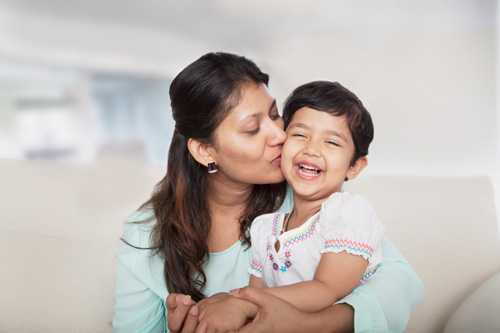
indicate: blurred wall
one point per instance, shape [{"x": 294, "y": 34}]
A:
[{"x": 426, "y": 70}]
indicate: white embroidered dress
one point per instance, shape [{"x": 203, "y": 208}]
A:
[{"x": 345, "y": 222}]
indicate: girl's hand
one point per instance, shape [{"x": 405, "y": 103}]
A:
[
  {"x": 179, "y": 317},
  {"x": 223, "y": 313}
]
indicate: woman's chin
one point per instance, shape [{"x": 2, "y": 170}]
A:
[{"x": 274, "y": 177}]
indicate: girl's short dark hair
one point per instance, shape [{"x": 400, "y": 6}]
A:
[{"x": 333, "y": 98}]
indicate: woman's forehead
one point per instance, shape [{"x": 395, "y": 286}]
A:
[{"x": 254, "y": 100}]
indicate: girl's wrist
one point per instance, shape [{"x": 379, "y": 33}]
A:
[{"x": 249, "y": 308}]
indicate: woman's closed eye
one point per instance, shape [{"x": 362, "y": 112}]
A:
[{"x": 253, "y": 131}]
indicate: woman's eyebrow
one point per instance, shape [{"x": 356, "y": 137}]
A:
[{"x": 259, "y": 114}]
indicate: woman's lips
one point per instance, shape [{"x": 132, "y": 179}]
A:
[{"x": 277, "y": 161}]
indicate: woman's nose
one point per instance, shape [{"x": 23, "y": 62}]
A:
[{"x": 277, "y": 135}]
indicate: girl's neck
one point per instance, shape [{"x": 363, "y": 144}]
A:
[{"x": 303, "y": 209}]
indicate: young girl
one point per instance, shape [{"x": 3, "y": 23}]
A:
[{"x": 330, "y": 242}]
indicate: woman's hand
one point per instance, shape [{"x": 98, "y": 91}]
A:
[
  {"x": 274, "y": 314},
  {"x": 182, "y": 317},
  {"x": 223, "y": 313}
]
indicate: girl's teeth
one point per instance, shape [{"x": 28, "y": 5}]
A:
[{"x": 308, "y": 169}]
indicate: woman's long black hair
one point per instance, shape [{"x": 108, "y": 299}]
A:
[{"x": 201, "y": 96}]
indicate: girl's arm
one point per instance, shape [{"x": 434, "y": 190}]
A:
[
  {"x": 336, "y": 276},
  {"x": 382, "y": 304},
  {"x": 256, "y": 282}
]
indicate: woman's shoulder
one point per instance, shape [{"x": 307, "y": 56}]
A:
[{"x": 138, "y": 228}]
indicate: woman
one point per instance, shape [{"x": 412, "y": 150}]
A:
[{"x": 191, "y": 237}]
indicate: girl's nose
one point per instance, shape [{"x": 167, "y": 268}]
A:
[{"x": 311, "y": 149}]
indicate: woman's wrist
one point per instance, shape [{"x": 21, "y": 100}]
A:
[{"x": 338, "y": 318}]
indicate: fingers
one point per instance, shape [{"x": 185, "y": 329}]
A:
[
  {"x": 254, "y": 295},
  {"x": 171, "y": 302},
  {"x": 191, "y": 322},
  {"x": 177, "y": 311},
  {"x": 252, "y": 327},
  {"x": 202, "y": 328}
]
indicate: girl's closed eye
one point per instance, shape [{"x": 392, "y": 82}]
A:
[
  {"x": 333, "y": 142},
  {"x": 297, "y": 134}
]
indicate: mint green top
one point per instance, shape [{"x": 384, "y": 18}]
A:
[{"x": 383, "y": 304}]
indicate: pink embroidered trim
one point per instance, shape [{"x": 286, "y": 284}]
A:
[
  {"x": 303, "y": 236},
  {"x": 350, "y": 246},
  {"x": 275, "y": 224},
  {"x": 256, "y": 265}
]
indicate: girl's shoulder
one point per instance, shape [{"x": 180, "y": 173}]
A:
[
  {"x": 346, "y": 210},
  {"x": 265, "y": 223},
  {"x": 346, "y": 203}
]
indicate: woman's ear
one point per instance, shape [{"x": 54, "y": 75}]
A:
[
  {"x": 355, "y": 170},
  {"x": 200, "y": 151}
]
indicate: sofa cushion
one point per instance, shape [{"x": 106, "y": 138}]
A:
[{"x": 480, "y": 312}]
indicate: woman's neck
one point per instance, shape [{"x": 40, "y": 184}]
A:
[{"x": 227, "y": 201}]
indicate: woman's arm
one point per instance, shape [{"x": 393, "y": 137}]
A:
[
  {"x": 137, "y": 309},
  {"x": 384, "y": 303}
]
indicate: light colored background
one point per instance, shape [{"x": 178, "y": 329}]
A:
[
  {"x": 426, "y": 70},
  {"x": 84, "y": 84}
]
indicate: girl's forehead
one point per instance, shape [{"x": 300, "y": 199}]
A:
[
  {"x": 318, "y": 118},
  {"x": 321, "y": 122}
]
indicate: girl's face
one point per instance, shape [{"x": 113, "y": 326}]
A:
[
  {"x": 248, "y": 142},
  {"x": 317, "y": 154}
]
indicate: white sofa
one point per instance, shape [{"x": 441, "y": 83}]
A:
[{"x": 60, "y": 224}]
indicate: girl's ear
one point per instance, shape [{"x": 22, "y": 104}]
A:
[
  {"x": 355, "y": 170},
  {"x": 200, "y": 151}
]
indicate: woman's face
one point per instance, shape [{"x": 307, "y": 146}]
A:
[{"x": 247, "y": 143}]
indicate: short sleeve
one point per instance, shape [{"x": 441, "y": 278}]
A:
[
  {"x": 258, "y": 236},
  {"x": 349, "y": 223}
]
